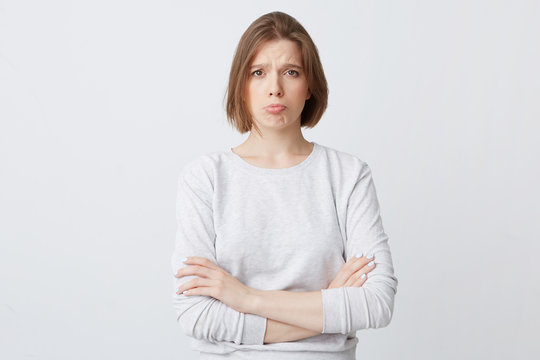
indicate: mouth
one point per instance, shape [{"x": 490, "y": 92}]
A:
[{"x": 275, "y": 109}]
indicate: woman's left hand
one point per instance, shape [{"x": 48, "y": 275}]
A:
[{"x": 215, "y": 282}]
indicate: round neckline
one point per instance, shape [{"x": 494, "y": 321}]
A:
[{"x": 260, "y": 170}]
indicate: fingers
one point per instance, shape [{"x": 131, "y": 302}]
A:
[
  {"x": 360, "y": 267},
  {"x": 198, "y": 260},
  {"x": 354, "y": 258},
  {"x": 349, "y": 269},
  {"x": 195, "y": 283},
  {"x": 359, "y": 263},
  {"x": 200, "y": 271},
  {"x": 360, "y": 277},
  {"x": 203, "y": 265},
  {"x": 359, "y": 281}
]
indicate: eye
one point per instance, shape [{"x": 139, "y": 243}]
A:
[
  {"x": 296, "y": 72},
  {"x": 256, "y": 71}
]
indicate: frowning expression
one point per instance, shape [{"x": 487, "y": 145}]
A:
[{"x": 277, "y": 78}]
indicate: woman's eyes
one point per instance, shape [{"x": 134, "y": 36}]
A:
[{"x": 296, "y": 73}]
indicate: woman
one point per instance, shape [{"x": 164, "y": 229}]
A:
[{"x": 276, "y": 236}]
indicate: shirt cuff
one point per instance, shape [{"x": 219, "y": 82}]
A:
[{"x": 254, "y": 329}]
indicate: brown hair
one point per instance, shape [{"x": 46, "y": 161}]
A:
[{"x": 273, "y": 26}]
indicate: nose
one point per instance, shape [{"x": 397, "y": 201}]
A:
[{"x": 274, "y": 86}]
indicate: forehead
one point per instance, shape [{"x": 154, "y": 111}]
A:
[{"x": 281, "y": 50}]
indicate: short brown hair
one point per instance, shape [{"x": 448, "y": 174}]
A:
[{"x": 273, "y": 26}]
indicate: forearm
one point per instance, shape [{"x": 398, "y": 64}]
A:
[
  {"x": 277, "y": 331},
  {"x": 300, "y": 309}
]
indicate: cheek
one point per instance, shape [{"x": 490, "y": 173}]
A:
[
  {"x": 248, "y": 94},
  {"x": 299, "y": 91},
  {"x": 253, "y": 92}
]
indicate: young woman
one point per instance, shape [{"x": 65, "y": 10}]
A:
[{"x": 276, "y": 236}]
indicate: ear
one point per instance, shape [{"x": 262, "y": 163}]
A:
[{"x": 309, "y": 95}]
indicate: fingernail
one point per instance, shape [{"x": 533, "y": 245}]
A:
[
  {"x": 359, "y": 255},
  {"x": 371, "y": 263},
  {"x": 363, "y": 276},
  {"x": 184, "y": 259},
  {"x": 370, "y": 256}
]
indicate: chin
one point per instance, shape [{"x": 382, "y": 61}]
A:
[{"x": 276, "y": 121}]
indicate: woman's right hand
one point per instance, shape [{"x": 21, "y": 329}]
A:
[{"x": 351, "y": 272}]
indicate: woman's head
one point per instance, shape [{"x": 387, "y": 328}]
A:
[{"x": 275, "y": 40}]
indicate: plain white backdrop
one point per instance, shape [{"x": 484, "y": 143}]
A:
[{"x": 103, "y": 102}]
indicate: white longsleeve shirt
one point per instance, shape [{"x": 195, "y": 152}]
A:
[{"x": 286, "y": 229}]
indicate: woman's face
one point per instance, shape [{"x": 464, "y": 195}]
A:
[{"x": 277, "y": 77}]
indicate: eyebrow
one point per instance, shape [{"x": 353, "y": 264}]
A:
[{"x": 284, "y": 65}]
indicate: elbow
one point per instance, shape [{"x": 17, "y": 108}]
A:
[
  {"x": 190, "y": 317},
  {"x": 349, "y": 309},
  {"x": 193, "y": 313},
  {"x": 380, "y": 306},
  {"x": 185, "y": 320},
  {"x": 384, "y": 317},
  {"x": 206, "y": 318},
  {"x": 188, "y": 326}
]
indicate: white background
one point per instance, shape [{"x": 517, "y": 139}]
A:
[{"x": 103, "y": 102}]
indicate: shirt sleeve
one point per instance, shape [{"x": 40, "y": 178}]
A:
[
  {"x": 204, "y": 317},
  {"x": 348, "y": 309}
]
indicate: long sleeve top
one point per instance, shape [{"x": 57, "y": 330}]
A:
[{"x": 281, "y": 229}]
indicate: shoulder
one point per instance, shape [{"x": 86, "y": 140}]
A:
[
  {"x": 345, "y": 163},
  {"x": 352, "y": 175},
  {"x": 201, "y": 170}
]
